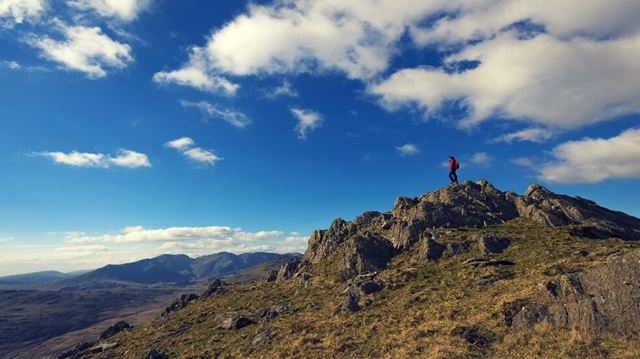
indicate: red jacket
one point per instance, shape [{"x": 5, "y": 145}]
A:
[{"x": 452, "y": 164}]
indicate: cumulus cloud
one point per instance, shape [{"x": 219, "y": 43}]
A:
[
  {"x": 354, "y": 37},
  {"x": 593, "y": 160},
  {"x": 537, "y": 135},
  {"x": 140, "y": 234},
  {"x": 17, "y": 11},
  {"x": 481, "y": 159},
  {"x": 556, "y": 65},
  {"x": 125, "y": 10},
  {"x": 307, "y": 121},
  {"x": 84, "y": 49},
  {"x": 124, "y": 158},
  {"x": 181, "y": 143},
  {"x": 408, "y": 149},
  {"x": 234, "y": 118},
  {"x": 555, "y": 83},
  {"x": 196, "y": 74},
  {"x": 185, "y": 145}
]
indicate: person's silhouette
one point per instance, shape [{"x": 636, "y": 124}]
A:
[{"x": 453, "y": 167}]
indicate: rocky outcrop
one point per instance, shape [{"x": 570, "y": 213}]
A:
[
  {"x": 288, "y": 270},
  {"x": 605, "y": 299},
  {"x": 234, "y": 321},
  {"x": 214, "y": 289},
  {"x": 489, "y": 244},
  {"x": 179, "y": 303},
  {"x": 369, "y": 241},
  {"x": 548, "y": 208},
  {"x": 115, "y": 329},
  {"x": 430, "y": 250},
  {"x": 364, "y": 253}
]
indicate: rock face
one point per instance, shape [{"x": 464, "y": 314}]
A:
[
  {"x": 365, "y": 253},
  {"x": 548, "y": 208},
  {"x": 369, "y": 241},
  {"x": 287, "y": 270},
  {"x": 605, "y": 299},
  {"x": 430, "y": 250}
]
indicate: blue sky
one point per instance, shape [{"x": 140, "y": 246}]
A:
[{"x": 133, "y": 128}]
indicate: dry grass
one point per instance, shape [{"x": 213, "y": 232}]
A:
[{"x": 414, "y": 319}]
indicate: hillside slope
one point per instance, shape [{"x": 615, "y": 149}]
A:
[{"x": 463, "y": 272}]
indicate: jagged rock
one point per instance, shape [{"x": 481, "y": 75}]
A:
[
  {"x": 489, "y": 244},
  {"x": 604, "y": 299},
  {"x": 364, "y": 253},
  {"x": 370, "y": 286},
  {"x": 263, "y": 337},
  {"x": 430, "y": 250},
  {"x": 115, "y": 329},
  {"x": 73, "y": 352},
  {"x": 234, "y": 321},
  {"x": 214, "y": 289},
  {"x": 351, "y": 302},
  {"x": 467, "y": 205},
  {"x": 548, "y": 208},
  {"x": 156, "y": 354},
  {"x": 271, "y": 276},
  {"x": 287, "y": 270},
  {"x": 179, "y": 303},
  {"x": 473, "y": 335},
  {"x": 304, "y": 277}
]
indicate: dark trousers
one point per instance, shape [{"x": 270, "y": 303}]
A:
[{"x": 453, "y": 176}]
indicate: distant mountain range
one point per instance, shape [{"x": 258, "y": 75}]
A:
[
  {"x": 37, "y": 277},
  {"x": 179, "y": 268}
]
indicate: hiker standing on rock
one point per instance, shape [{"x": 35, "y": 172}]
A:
[{"x": 453, "y": 167}]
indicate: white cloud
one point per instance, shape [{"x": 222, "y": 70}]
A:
[
  {"x": 185, "y": 146},
  {"x": 84, "y": 49},
  {"x": 534, "y": 134},
  {"x": 593, "y": 160},
  {"x": 307, "y": 121},
  {"x": 197, "y": 75},
  {"x": 17, "y": 11},
  {"x": 234, "y": 118},
  {"x": 574, "y": 73},
  {"x": 408, "y": 149},
  {"x": 202, "y": 156},
  {"x": 131, "y": 159},
  {"x": 523, "y": 161},
  {"x": 181, "y": 143},
  {"x": 283, "y": 90},
  {"x": 481, "y": 159},
  {"x": 356, "y": 38},
  {"x": 124, "y": 158},
  {"x": 12, "y": 65},
  {"x": 6, "y": 239},
  {"x": 88, "y": 251},
  {"x": 554, "y": 83},
  {"x": 481, "y": 19},
  {"x": 125, "y": 10}
]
